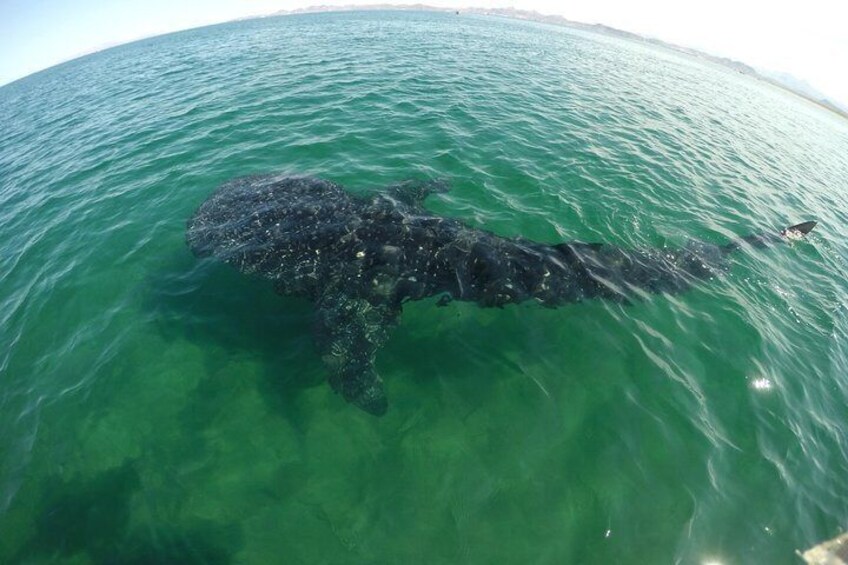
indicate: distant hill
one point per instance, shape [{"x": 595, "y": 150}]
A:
[
  {"x": 779, "y": 79},
  {"x": 802, "y": 88}
]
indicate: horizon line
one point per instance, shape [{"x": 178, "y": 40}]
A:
[{"x": 509, "y": 12}]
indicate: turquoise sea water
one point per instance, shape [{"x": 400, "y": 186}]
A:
[{"x": 159, "y": 409}]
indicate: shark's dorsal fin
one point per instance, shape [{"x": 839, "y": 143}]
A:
[
  {"x": 348, "y": 331},
  {"x": 413, "y": 191}
]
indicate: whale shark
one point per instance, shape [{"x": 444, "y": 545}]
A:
[{"x": 359, "y": 258}]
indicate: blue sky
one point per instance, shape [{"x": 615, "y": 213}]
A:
[
  {"x": 806, "y": 39},
  {"x": 36, "y": 34}
]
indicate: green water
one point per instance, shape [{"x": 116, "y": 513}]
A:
[{"x": 159, "y": 409}]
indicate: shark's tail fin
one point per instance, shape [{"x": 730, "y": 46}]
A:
[
  {"x": 799, "y": 229},
  {"x": 766, "y": 239}
]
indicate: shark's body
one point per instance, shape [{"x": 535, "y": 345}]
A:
[{"x": 359, "y": 259}]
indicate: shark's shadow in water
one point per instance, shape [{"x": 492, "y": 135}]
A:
[
  {"x": 358, "y": 259},
  {"x": 89, "y": 520},
  {"x": 204, "y": 303}
]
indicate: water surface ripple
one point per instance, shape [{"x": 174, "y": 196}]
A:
[{"x": 155, "y": 408}]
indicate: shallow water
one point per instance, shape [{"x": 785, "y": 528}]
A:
[{"x": 157, "y": 408}]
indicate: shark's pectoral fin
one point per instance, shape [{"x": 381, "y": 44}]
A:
[
  {"x": 357, "y": 382},
  {"x": 348, "y": 332},
  {"x": 413, "y": 192}
]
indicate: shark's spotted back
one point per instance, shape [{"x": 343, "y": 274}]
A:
[
  {"x": 272, "y": 226},
  {"x": 359, "y": 258}
]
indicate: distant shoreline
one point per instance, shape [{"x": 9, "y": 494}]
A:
[
  {"x": 528, "y": 15},
  {"x": 816, "y": 98}
]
